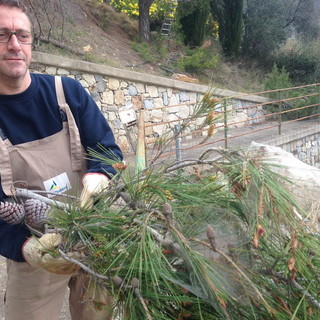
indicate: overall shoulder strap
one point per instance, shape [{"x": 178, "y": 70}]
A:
[
  {"x": 6, "y": 169},
  {"x": 59, "y": 91},
  {"x": 75, "y": 141}
]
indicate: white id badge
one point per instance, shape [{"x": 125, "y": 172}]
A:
[{"x": 58, "y": 184}]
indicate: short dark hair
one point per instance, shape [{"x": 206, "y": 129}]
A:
[{"x": 14, "y": 4}]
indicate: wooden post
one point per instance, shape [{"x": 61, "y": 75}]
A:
[{"x": 141, "y": 162}]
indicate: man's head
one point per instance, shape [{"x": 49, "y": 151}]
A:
[{"x": 15, "y": 54}]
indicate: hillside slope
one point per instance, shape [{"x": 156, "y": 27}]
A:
[
  {"x": 80, "y": 30},
  {"x": 73, "y": 28}
]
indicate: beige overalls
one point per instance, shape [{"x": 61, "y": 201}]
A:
[{"x": 55, "y": 164}]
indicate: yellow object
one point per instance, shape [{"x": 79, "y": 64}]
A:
[
  {"x": 42, "y": 253},
  {"x": 93, "y": 184},
  {"x": 141, "y": 148}
]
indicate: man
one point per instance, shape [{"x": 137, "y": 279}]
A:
[{"x": 46, "y": 126}]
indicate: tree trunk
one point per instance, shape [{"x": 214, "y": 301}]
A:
[{"x": 144, "y": 19}]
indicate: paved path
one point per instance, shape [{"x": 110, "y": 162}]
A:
[
  {"x": 267, "y": 133},
  {"x": 268, "y": 136}
]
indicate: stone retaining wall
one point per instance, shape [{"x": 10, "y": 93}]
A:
[
  {"x": 121, "y": 92},
  {"x": 303, "y": 144},
  {"x": 306, "y": 149}
]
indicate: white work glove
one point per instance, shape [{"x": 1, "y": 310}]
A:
[
  {"x": 42, "y": 253},
  {"x": 93, "y": 184}
]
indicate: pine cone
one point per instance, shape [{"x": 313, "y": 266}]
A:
[
  {"x": 212, "y": 237},
  {"x": 12, "y": 213},
  {"x": 167, "y": 210},
  {"x": 36, "y": 213}
]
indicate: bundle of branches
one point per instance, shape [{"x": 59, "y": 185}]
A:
[
  {"x": 224, "y": 241},
  {"x": 198, "y": 239}
]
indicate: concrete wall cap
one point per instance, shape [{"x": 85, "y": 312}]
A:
[{"x": 98, "y": 69}]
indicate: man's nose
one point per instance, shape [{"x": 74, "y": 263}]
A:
[{"x": 13, "y": 43}]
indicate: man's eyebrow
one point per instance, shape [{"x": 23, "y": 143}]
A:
[{"x": 7, "y": 29}]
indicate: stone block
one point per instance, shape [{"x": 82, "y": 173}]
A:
[
  {"x": 119, "y": 98},
  {"x": 153, "y": 91},
  {"x": 51, "y": 70},
  {"x": 90, "y": 79},
  {"x": 107, "y": 97},
  {"x": 62, "y": 72},
  {"x": 113, "y": 84}
]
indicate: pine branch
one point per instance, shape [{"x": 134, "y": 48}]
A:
[{"x": 302, "y": 290}]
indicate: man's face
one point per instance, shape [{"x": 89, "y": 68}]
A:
[{"x": 15, "y": 57}]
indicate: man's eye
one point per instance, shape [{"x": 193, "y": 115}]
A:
[
  {"x": 4, "y": 35},
  {"x": 24, "y": 35}
]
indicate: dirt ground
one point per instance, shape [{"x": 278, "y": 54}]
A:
[{"x": 75, "y": 29}]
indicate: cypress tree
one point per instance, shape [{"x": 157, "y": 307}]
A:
[
  {"x": 193, "y": 16},
  {"x": 228, "y": 14}
]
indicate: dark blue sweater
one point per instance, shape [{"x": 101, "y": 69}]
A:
[{"x": 34, "y": 114}]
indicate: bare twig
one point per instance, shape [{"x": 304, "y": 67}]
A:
[
  {"x": 189, "y": 163},
  {"x": 135, "y": 285},
  {"x": 210, "y": 150},
  {"x": 135, "y": 282},
  {"x": 63, "y": 19},
  {"x": 25, "y": 193},
  {"x": 83, "y": 266},
  {"x": 36, "y": 16}
]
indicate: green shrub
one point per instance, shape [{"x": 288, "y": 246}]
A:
[
  {"x": 277, "y": 79},
  {"x": 302, "y": 67},
  {"x": 197, "y": 60},
  {"x": 300, "y": 59},
  {"x": 154, "y": 51},
  {"x": 280, "y": 79},
  {"x": 143, "y": 49}
]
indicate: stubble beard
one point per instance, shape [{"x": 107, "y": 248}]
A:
[{"x": 13, "y": 71}]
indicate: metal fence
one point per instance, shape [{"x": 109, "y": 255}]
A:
[{"x": 223, "y": 123}]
